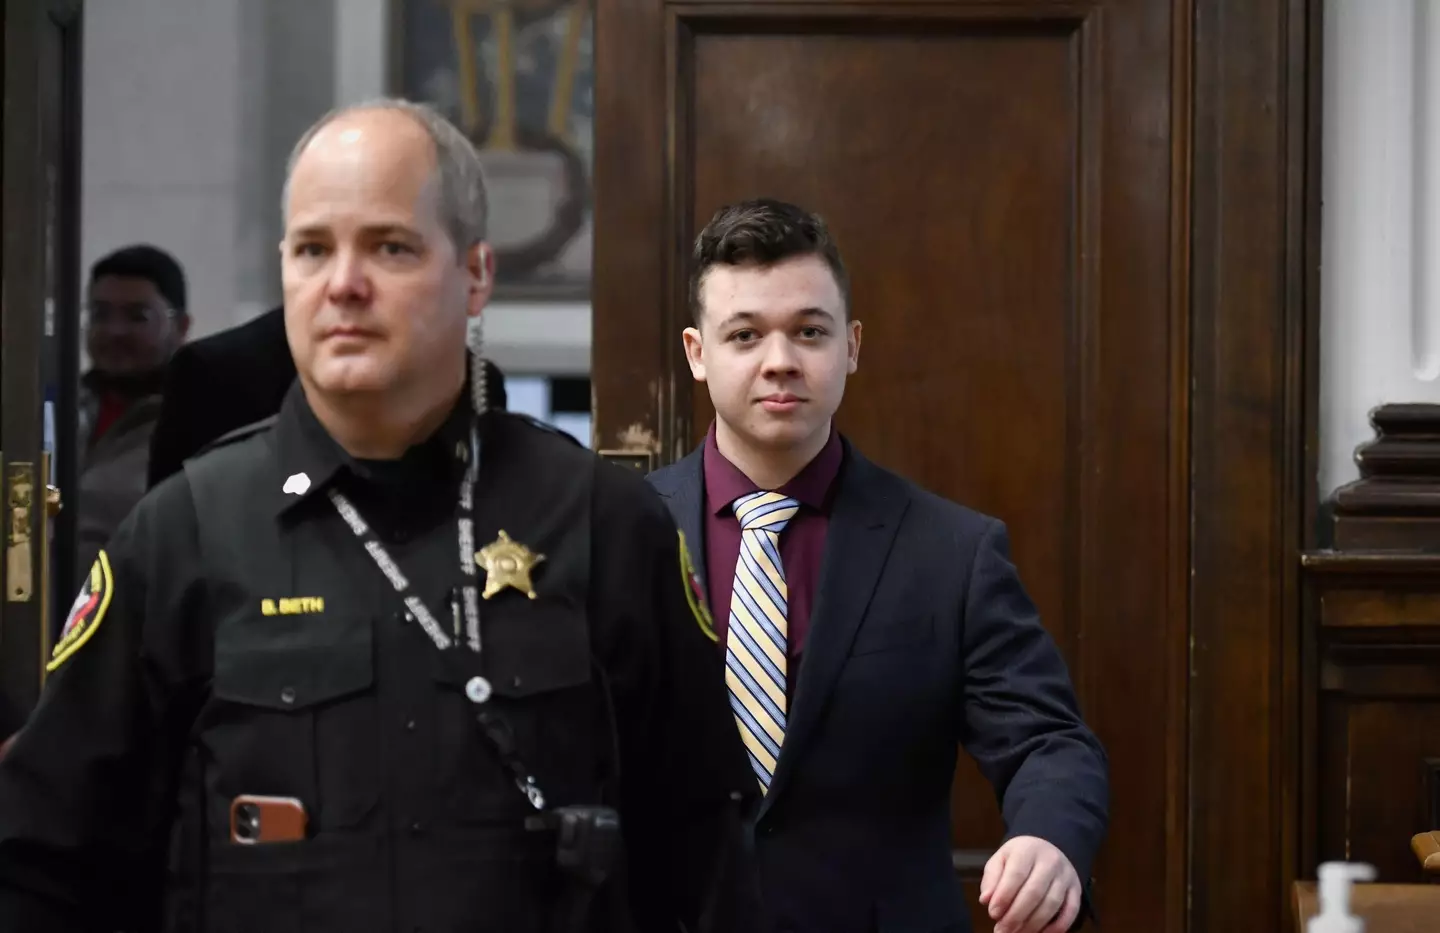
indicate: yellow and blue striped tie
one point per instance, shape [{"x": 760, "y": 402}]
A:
[{"x": 755, "y": 648}]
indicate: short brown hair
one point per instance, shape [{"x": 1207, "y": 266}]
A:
[{"x": 763, "y": 232}]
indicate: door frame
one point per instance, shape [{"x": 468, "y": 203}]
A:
[
  {"x": 40, "y": 316},
  {"x": 1254, "y": 291}
]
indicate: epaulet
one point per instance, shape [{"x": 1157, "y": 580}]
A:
[
  {"x": 537, "y": 423},
  {"x": 239, "y": 434}
]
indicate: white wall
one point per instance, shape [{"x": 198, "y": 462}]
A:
[
  {"x": 162, "y": 147},
  {"x": 190, "y": 110},
  {"x": 1380, "y": 275}
]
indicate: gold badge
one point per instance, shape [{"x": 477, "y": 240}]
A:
[{"x": 507, "y": 563}]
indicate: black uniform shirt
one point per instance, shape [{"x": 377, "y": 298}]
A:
[{"x": 265, "y": 653}]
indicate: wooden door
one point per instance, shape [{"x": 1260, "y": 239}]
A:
[{"x": 1010, "y": 183}]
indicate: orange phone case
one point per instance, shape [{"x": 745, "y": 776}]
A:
[{"x": 281, "y": 819}]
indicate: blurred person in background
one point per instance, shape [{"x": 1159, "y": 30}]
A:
[{"x": 136, "y": 319}]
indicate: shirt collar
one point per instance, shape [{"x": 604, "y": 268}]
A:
[
  {"x": 309, "y": 459},
  {"x": 812, "y": 486}
]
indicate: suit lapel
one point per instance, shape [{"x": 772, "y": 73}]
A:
[
  {"x": 863, "y": 520},
  {"x": 683, "y": 488}
]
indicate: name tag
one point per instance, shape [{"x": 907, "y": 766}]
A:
[{"x": 292, "y": 606}]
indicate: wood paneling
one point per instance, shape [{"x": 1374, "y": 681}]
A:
[
  {"x": 1078, "y": 235},
  {"x": 1372, "y": 606},
  {"x": 1372, "y": 744},
  {"x": 1376, "y": 701},
  {"x": 1253, "y": 234}
]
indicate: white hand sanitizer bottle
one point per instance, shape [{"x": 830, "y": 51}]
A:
[{"x": 1335, "y": 881}]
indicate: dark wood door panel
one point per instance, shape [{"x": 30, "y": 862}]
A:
[
  {"x": 1382, "y": 783},
  {"x": 962, "y": 271}
]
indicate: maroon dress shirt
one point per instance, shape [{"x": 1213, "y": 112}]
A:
[{"x": 802, "y": 543}]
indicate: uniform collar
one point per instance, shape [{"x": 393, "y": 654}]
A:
[{"x": 309, "y": 460}]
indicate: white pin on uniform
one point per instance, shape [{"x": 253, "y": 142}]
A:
[{"x": 478, "y": 689}]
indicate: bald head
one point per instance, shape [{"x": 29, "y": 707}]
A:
[
  {"x": 447, "y": 155},
  {"x": 380, "y": 156}
]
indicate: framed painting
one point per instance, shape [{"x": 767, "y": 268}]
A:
[{"x": 518, "y": 77}]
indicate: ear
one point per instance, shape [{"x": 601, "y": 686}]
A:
[
  {"x": 480, "y": 263},
  {"x": 852, "y": 347},
  {"x": 182, "y": 326},
  {"x": 694, "y": 353}
]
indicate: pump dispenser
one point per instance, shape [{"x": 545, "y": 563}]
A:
[{"x": 1336, "y": 879}]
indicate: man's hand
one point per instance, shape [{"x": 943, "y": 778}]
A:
[{"x": 1030, "y": 887}]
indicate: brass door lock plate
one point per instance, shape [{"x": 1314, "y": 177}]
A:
[{"x": 19, "y": 550}]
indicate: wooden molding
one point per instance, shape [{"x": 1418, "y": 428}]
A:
[{"x": 1395, "y": 504}]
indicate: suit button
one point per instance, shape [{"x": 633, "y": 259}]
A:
[{"x": 410, "y": 726}]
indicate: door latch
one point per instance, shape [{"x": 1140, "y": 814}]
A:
[{"x": 19, "y": 553}]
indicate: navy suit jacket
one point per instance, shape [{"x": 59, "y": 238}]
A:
[{"x": 922, "y": 640}]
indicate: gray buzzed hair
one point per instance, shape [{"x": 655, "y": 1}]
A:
[{"x": 464, "y": 206}]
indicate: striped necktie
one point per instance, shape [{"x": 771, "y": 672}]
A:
[{"x": 755, "y": 648}]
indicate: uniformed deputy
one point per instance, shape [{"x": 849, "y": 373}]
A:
[{"x": 388, "y": 664}]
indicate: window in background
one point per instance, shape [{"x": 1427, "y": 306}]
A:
[
  {"x": 570, "y": 406},
  {"x": 558, "y": 400}
]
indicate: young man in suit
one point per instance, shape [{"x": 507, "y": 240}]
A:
[{"x": 868, "y": 627}]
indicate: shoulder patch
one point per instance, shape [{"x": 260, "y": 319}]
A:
[
  {"x": 86, "y": 613},
  {"x": 695, "y": 592},
  {"x": 239, "y": 434}
]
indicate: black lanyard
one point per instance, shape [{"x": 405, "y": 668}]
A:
[{"x": 469, "y": 594}]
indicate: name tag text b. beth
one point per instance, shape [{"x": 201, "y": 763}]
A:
[{"x": 292, "y": 606}]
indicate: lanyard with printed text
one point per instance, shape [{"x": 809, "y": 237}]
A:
[
  {"x": 469, "y": 595},
  {"x": 495, "y": 727}
]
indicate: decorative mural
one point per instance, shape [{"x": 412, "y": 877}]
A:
[{"x": 518, "y": 77}]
